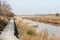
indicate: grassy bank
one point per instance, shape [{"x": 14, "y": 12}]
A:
[
  {"x": 28, "y": 32},
  {"x": 52, "y": 19}
]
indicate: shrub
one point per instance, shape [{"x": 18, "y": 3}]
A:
[
  {"x": 30, "y": 32},
  {"x": 57, "y": 14}
]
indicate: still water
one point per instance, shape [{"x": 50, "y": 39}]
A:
[{"x": 51, "y": 28}]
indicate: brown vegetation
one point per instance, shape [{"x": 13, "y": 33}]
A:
[
  {"x": 51, "y": 19},
  {"x": 28, "y": 32},
  {"x": 5, "y": 14}
]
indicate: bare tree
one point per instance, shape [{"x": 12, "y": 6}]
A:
[
  {"x": 5, "y": 13},
  {"x": 4, "y": 8}
]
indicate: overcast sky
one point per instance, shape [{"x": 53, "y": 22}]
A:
[{"x": 31, "y": 7}]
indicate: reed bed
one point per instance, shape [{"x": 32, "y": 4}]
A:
[
  {"x": 52, "y": 19},
  {"x": 28, "y": 32}
]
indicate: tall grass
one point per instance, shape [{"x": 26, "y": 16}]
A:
[
  {"x": 52, "y": 19},
  {"x": 26, "y": 32}
]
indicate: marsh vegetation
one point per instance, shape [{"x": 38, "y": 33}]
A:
[{"x": 29, "y": 32}]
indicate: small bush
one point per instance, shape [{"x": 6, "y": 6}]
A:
[
  {"x": 57, "y": 14},
  {"x": 30, "y": 32}
]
